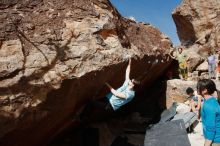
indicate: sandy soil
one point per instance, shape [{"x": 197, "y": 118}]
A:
[{"x": 196, "y": 137}]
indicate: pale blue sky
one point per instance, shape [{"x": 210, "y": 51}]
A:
[{"x": 156, "y": 12}]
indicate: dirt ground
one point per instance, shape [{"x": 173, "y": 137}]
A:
[{"x": 196, "y": 137}]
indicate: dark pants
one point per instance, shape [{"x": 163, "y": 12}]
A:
[{"x": 102, "y": 105}]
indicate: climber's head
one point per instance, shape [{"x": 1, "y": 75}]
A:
[{"x": 133, "y": 83}]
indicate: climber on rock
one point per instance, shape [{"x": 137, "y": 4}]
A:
[
  {"x": 125, "y": 93},
  {"x": 117, "y": 97}
]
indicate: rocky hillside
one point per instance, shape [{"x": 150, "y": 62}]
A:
[
  {"x": 197, "y": 21},
  {"x": 56, "y": 55},
  {"x": 198, "y": 28}
]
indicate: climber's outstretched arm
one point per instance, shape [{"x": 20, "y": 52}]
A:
[{"x": 127, "y": 74}]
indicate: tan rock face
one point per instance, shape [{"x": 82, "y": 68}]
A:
[
  {"x": 195, "y": 58},
  {"x": 197, "y": 21},
  {"x": 176, "y": 90},
  {"x": 11, "y": 57},
  {"x": 56, "y": 55}
]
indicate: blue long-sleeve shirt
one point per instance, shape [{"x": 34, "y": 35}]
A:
[{"x": 211, "y": 119}]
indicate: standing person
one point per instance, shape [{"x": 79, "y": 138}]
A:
[
  {"x": 211, "y": 64},
  {"x": 210, "y": 112},
  {"x": 182, "y": 60},
  {"x": 116, "y": 98}
]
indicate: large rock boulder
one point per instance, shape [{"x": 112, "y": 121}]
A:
[
  {"x": 57, "y": 55},
  {"x": 197, "y": 21},
  {"x": 176, "y": 90},
  {"x": 203, "y": 67}
]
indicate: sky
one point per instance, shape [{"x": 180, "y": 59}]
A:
[{"x": 155, "y": 12}]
